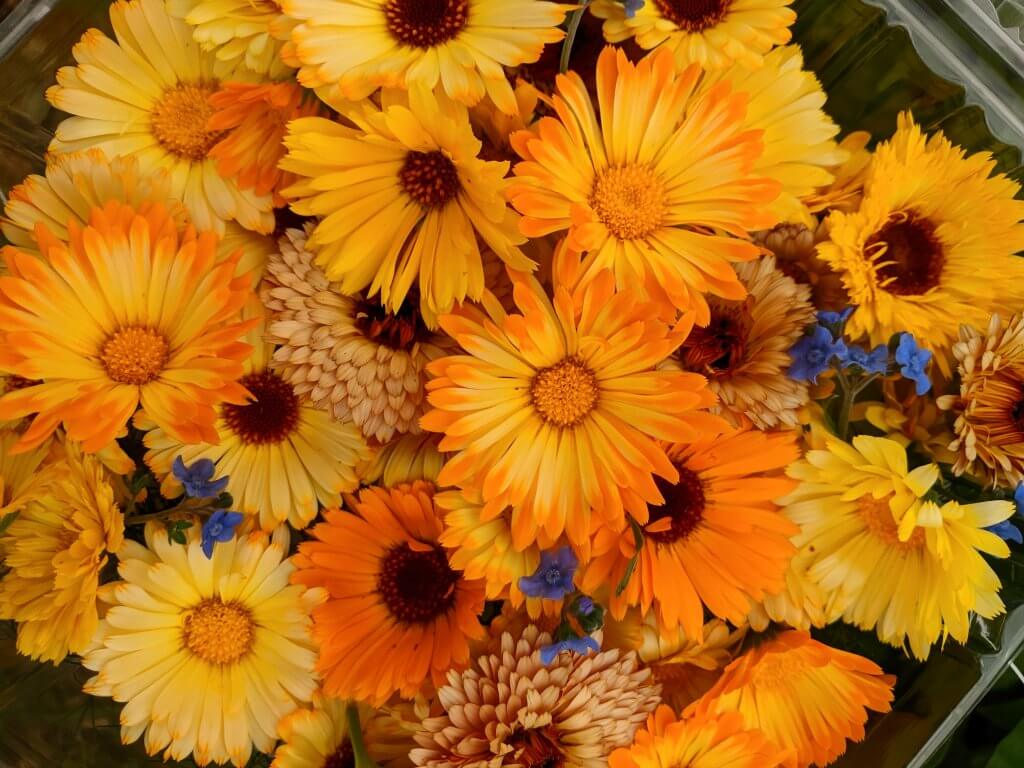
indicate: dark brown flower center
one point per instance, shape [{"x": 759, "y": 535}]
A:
[
  {"x": 395, "y": 330},
  {"x": 429, "y": 178},
  {"x": 537, "y": 748},
  {"x": 718, "y": 348},
  {"x": 913, "y": 256},
  {"x": 684, "y": 506},
  {"x": 693, "y": 15},
  {"x": 342, "y": 757},
  {"x": 425, "y": 23},
  {"x": 272, "y": 414},
  {"x": 416, "y": 586}
]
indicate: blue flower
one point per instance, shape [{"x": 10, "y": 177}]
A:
[
  {"x": 875, "y": 361},
  {"x": 219, "y": 527},
  {"x": 197, "y": 478},
  {"x": 835, "y": 318},
  {"x": 1006, "y": 531},
  {"x": 632, "y": 6},
  {"x": 813, "y": 354},
  {"x": 584, "y": 606},
  {"x": 582, "y": 645},
  {"x": 912, "y": 361},
  {"x": 553, "y": 577},
  {"x": 1018, "y": 498}
]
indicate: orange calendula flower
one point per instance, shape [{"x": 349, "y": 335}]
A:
[
  {"x": 806, "y": 697},
  {"x": 669, "y": 206},
  {"x": 83, "y": 321},
  {"x": 397, "y": 613},
  {"x": 718, "y": 540}
]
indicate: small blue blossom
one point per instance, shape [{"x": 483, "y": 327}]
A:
[
  {"x": 632, "y": 6},
  {"x": 875, "y": 361},
  {"x": 584, "y": 606},
  {"x": 912, "y": 361},
  {"x": 581, "y": 645},
  {"x": 197, "y": 478},
  {"x": 1018, "y": 498},
  {"x": 1007, "y": 531},
  {"x": 553, "y": 577},
  {"x": 813, "y": 354},
  {"x": 835, "y": 318},
  {"x": 219, "y": 527}
]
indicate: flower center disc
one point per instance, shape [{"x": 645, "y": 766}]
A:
[
  {"x": 537, "y": 748},
  {"x": 720, "y": 347},
  {"x": 684, "y": 505},
  {"x": 913, "y": 258},
  {"x": 429, "y": 178},
  {"x": 342, "y": 757},
  {"x": 416, "y": 586},
  {"x": 425, "y": 23},
  {"x": 629, "y": 201},
  {"x": 179, "y": 119},
  {"x": 218, "y": 632},
  {"x": 693, "y": 15},
  {"x": 564, "y": 393},
  {"x": 394, "y": 330},
  {"x": 134, "y": 355},
  {"x": 878, "y": 519},
  {"x": 271, "y": 416},
  {"x": 777, "y": 670}
]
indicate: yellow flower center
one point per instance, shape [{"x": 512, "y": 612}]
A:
[
  {"x": 179, "y": 119},
  {"x": 693, "y": 15},
  {"x": 629, "y": 201},
  {"x": 218, "y": 632},
  {"x": 429, "y": 178},
  {"x": 777, "y": 670},
  {"x": 879, "y": 521},
  {"x": 425, "y": 23},
  {"x": 564, "y": 393},
  {"x": 134, "y": 355},
  {"x": 908, "y": 255}
]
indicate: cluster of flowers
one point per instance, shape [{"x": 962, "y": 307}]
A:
[{"x": 375, "y": 394}]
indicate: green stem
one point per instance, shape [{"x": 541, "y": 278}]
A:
[
  {"x": 166, "y": 513},
  {"x": 570, "y": 36},
  {"x": 845, "y": 404},
  {"x": 355, "y": 738}
]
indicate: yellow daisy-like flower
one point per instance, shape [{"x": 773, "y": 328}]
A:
[
  {"x": 643, "y": 204},
  {"x": 403, "y": 196},
  {"x": 933, "y": 245},
  {"x": 461, "y": 45},
  {"x": 207, "y": 654},
  {"x": 282, "y": 456},
  {"x": 55, "y": 550},
  {"x": 714, "y": 33},
  {"x": 19, "y": 479},
  {"x": 320, "y": 737},
  {"x": 147, "y": 95},
  {"x": 887, "y": 560}
]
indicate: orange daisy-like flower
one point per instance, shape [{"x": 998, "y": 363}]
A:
[
  {"x": 83, "y": 322},
  {"x": 657, "y": 185},
  {"x": 557, "y": 411},
  {"x": 805, "y": 696},
  {"x": 397, "y": 613},
  {"x": 718, "y": 541},
  {"x": 255, "y": 117}
]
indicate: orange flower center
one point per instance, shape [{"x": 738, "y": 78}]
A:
[
  {"x": 342, "y": 757},
  {"x": 717, "y": 349},
  {"x": 219, "y": 632},
  {"x": 684, "y": 506},
  {"x": 693, "y": 15},
  {"x": 394, "y": 330},
  {"x": 777, "y": 670},
  {"x": 179, "y": 119},
  {"x": 417, "y": 587},
  {"x": 425, "y": 23},
  {"x": 629, "y": 201},
  {"x": 134, "y": 355},
  {"x": 908, "y": 255},
  {"x": 270, "y": 417},
  {"x": 565, "y": 393},
  {"x": 879, "y": 521},
  {"x": 429, "y": 178}
]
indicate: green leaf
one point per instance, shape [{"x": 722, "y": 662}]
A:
[
  {"x": 1010, "y": 751},
  {"x": 7, "y": 519},
  {"x": 638, "y": 539}
]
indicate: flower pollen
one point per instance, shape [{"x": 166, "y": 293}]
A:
[
  {"x": 179, "y": 120},
  {"x": 429, "y": 178},
  {"x": 565, "y": 393},
  {"x": 416, "y": 586},
  {"x": 134, "y": 355},
  {"x": 908, "y": 255},
  {"x": 219, "y": 632},
  {"x": 425, "y": 23},
  {"x": 629, "y": 201},
  {"x": 693, "y": 15},
  {"x": 879, "y": 520},
  {"x": 271, "y": 416}
]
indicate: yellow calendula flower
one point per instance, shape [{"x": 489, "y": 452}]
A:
[{"x": 147, "y": 93}]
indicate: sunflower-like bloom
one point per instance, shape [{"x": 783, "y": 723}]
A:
[
  {"x": 712, "y": 741},
  {"x": 282, "y": 456},
  {"x": 348, "y": 355},
  {"x": 460, "y": 45},
  {"x": 319, "y": 737},
  {"x": 744, "y": 349},
  {"x": 557, "y": 411},
  {"x": 398, "y": 613},
  {"x": 81, "y": 322},
  {"x": 207, "y": 654},
  {"x": 248, "y": 32},
  {"x": 714, "y": 33},
  {"x": 403, "y": 196},
  {"x": 19, "y": 478},
  {"x": 55, "y": 550},
  {"x": 887, "y": 560},
  {"x": 933, "y": 245},
  {"x": 718, "y": 540},
  {"x": 989, "y": 439},
  {"x": 147, "y": 95},
  {"x": 642, "y": 205},
  {"x": 513, "y": 709},
  {"x": 806, "y": 697}
]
